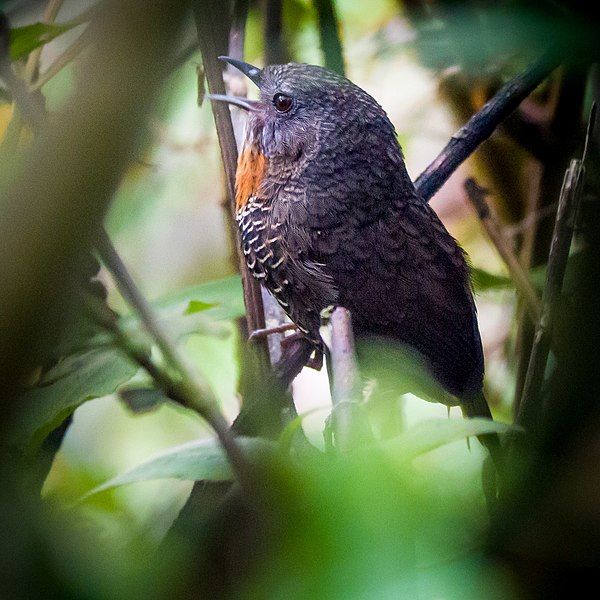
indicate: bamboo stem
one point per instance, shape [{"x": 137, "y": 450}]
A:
[{"x": 208, "y": 16}]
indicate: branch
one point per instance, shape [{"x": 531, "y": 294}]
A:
[
  {"x": 208, "y": 16},
  {"x": 476, "y": 195},
  {"x": 190, "y": 390},
  {"x": 349, "y": 428},
  {"x": 530, "y": 405},
  {"x": 481, "y": 125},
  {"x": 62, "y": 61}
]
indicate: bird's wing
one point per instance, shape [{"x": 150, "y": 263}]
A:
[
  {"x": 276, "y": 252},
  {"x": 404, "y": 277}
]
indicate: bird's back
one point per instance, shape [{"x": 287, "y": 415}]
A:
[{"x": 393, "y": 263}]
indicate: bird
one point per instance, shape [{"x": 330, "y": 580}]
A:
[{"x": 328, "y": 216}]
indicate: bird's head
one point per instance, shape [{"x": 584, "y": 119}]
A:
[
  {"x": 310, "y": 124},
  {"x": 301, "y": 106}
]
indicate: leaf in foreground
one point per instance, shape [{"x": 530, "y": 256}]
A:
[
  {"x": 431, "y": 434},
  {"x": 194, "y": 461},
  {"x": 75, "y": 380}
]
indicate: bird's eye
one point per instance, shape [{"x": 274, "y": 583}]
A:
[{"x": 282, "y": 102}]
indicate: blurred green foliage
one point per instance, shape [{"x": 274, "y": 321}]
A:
[{"x": 402, "y": 517}]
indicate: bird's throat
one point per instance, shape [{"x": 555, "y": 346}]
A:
[{"x": 251, "y": 170}]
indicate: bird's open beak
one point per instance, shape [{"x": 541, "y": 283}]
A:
[
  {"x": 253, "y": 73},
  {"x": 235, "y": 100}
]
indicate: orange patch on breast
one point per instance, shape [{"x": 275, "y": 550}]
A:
[{"x": 251, "y": 169}]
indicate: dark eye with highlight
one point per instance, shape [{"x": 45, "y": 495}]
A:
[{"x": 282, "y": 102}]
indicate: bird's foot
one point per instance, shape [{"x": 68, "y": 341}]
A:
[{"x": 259, "y": 334}]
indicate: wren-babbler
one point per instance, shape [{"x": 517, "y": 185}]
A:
[{"x": 329, "y": 216}]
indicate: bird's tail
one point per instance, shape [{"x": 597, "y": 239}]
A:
[{"x": 477, "y": 406}]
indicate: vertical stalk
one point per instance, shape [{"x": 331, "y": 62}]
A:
[
  {"x": 213, "y": 42},
  {"x": 530, "y": 409},
  {"x": 331, "y": 44},
  {"x": 275, "y": 49}
]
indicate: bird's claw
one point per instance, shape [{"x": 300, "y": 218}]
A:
[{"x": 259, "y": 334}]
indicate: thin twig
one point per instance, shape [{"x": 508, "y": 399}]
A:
[
  {"x": 131, "y": 293},
  {"x": 62, "y": 61},
  {"x": 530, "y": 405},
  {"x": 330, "y": 36},
  {"x": 481, "y": 125},
  {"x": 33, "y": 60},
  {"x": 23, "y": 103},
  {"x": 100, "y": 314},
  {"x": 194, "y": 391},
  {"x": 530, "y": 220},
  {"x": 476, "y": 195}
]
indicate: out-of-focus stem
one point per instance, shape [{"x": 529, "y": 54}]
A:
[
  {"x": 476, "y": 195},
  {"x": 330, "y": 35},
  {"x": 530, "y": 406}
]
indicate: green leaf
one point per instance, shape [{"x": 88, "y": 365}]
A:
[
  {"x": 182, "y": 325},
  {"x": 196, "y": 306},
  {"x": 73, "y": 381},
  {"x": 484, "y": 280},
  {"x": 294, "y": 426},
  {"x": 202, "y": 460},
  {"x": 219, "y": 299},
  {"x": 194, "y": 310},
  {"x": 434, "y": 433},
  {"x": 25, "y": 39}
]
